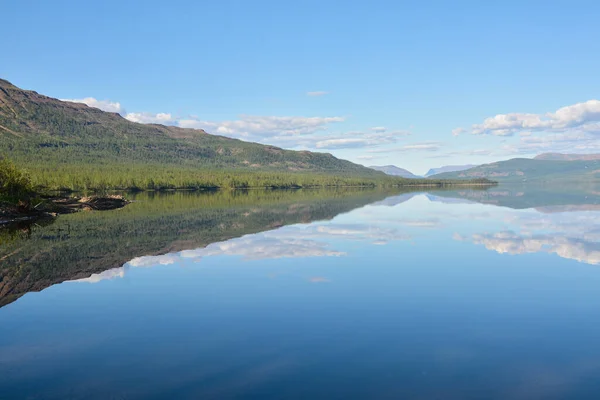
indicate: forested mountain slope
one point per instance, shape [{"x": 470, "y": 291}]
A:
[
  {"x": 48, "y": 135},
  {"x": 525, "y": 170}
]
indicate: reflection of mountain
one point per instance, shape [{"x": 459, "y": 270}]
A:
[
  {"x": 79, "y": 245},
  {"x": 448, "y": 168},
  {"x": 530, "y": 196},
  {"x": 568, "y": 208},
  {"x": 446, "y": 200},
  {"x": 394, "y": 171},
  {"x": 395, "y": 200}
]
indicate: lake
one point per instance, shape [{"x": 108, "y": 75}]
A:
[{"x": 332, "y": 294}]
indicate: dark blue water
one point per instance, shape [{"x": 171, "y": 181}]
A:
[{"x": 420, "y": 299}]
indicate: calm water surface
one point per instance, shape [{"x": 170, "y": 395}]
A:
[{"x": 455, "y": 294}]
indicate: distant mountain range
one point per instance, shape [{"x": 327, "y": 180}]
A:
[
  {"x": 567, "y": 157},
  {"x": 554, "y": 168},
  {"x": 397, "y": 171},
  {"x": 448, "y": 168},
  {"x": 394, "y": 171}
]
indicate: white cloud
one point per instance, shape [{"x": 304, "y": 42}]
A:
[
  {"x": 285, "y": 131},
  {"x": 317, "y": 93},
  {"x": 262, "y": 126},
  {"x": 423, "y": 147},
  {"x": 148, "y": 118},
  {"x": 471, "y": 152},
  {"x": 339, "y": 140},
  {"x": 104, "y": 105},
  {"x": 576, "y": 116},
  {"x": 341, "y": 143},
  {"x": 365, "y": 157},
  {"x": 414, "y": 147},
  {"x": 458, "y": 131},
  {"x": 569, "y": 142}
]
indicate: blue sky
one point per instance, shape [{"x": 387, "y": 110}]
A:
[{"x": 378, "y": 82}]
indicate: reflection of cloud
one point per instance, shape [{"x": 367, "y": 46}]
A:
[
  {"x": 447, "y": 200},
  {"x": 106, "y": 275},
  {"x": 568, "y": 208},
  {"x": 259, "y": 247},
  {"x": 422, "y": 223},
  {"x": 287, "y": 242},
  {"x": 150, "y": 261},
  {"x": 556, "y": 380},
  {"x": 566, "y": 247},
  {"x": 360, "y": 232},
  {"x": 458, "y": 237},
  {"x": 319, "y": 279}
]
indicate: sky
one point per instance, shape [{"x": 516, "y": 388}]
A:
[{"x": 414, "y": 84}]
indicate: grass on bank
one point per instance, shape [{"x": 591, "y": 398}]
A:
[{"x": 15, "y": 184}]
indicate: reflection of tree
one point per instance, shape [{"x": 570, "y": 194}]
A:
[
  {"x": 579, "y": 197},
  {"x": 155, "y": 224}
]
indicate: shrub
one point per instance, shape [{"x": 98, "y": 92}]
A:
[{"x": 14, "y": 183}]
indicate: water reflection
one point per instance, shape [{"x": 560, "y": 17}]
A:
[
  {"x": 288, "y": 295},
  {"x": 569, "y": 234},
  {"x": 288, "y": 242},
  {"x": 82, "y": 246}
]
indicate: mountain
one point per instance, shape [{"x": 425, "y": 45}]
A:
[
  {"x": 567, "y": 157},
  {"x": 58, "y": 141},
  {"x": 394, "y": 171},
  {"x": 527, "y": 170},
  {"x": 448, "y": 168}
]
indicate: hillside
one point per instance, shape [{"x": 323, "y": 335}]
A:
[
  {"x": 394, "y": 171},
  {"x": 525, "y": 170},
  {"x": 52, "y": 137},
  {"x": 567, "y": 157},
  {"x": 448, "y": 168}
]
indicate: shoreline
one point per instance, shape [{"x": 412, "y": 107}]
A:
[
  {"x": 291, "y": 187},
  {"x": 51, "y": 206}
]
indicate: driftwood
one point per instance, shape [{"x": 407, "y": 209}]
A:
[
  {"x": 50, "y": 207},
  {"x": 74, "y": 204}
]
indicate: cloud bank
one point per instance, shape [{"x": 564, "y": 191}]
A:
[
  {"x": 582, "y": 116},
  {"x": 104, "y": 105}
]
